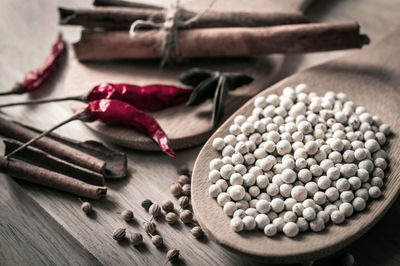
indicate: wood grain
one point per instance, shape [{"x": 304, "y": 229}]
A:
[
  {"x": 21, "y": 228},
  {"x": 184, "y": 126},
  {"x": 88, "y": 238},
  {"x": 369, "y": 78}
]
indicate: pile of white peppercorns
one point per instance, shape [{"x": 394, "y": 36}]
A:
[{"x": 298, "y": 162}]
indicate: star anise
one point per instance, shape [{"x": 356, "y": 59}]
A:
[{"x": 212, "y": 85}]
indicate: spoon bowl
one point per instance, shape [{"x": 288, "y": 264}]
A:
[{"x": 370, "y": 78}]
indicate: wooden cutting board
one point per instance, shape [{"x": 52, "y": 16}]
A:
[
  {"x": 370, "y": 78},
  {"x": 184, "y": 126}
]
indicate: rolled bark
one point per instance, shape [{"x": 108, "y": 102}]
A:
[
  {"x": 49, "y": 145},
  {"x": 41, "y": 159},
  {"x": 41, "y": 176},
  {"x": 122, "y": 18},
  {"x": 123, "y": 3},
  {"x": 223, "y": 42}
]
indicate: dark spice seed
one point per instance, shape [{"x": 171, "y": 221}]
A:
[
  {"x": 119, "y": 234},
  {"x": 146, "y": 204},
  {"x": 173, "y": 255},
  {"x": 184, "y": 170}
]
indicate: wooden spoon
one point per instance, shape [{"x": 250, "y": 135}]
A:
[{"x": 370, "y": 78}]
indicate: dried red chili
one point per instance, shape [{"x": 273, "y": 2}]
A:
[
  {"x": 121, "y": 113},
  {"x": 36, "y": 77},
  {"x": 150, "y": 97},
  {"x": 115, "y": 112}
]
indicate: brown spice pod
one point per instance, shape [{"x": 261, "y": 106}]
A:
[
  {"x": 121, "y": 18},
  {"x": 89, "y": 154},
  {"x": 223, "y": 42},
  {"x": 41, "y": 159},
  {"x": 41, "y": 176}
]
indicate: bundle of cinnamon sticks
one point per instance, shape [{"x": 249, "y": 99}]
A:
[
  {"x": 71, "y": 166},
  {"x": 213, "y": 34}
]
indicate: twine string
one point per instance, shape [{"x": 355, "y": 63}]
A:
[{"x": 170, "y": 27}]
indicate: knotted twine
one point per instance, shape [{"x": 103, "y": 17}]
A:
[{"x": 173, "y": 22}]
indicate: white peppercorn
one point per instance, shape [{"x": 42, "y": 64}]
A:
[
  {"x": 348, "y": 170},
  {"x": 279, "y": 223},
  {"x": 252, "y": 203},
  {"x": 311, "y": 187},
  {"x": 309, "y": 214},
  {"x": 289, "y": 216},
  {"x": 346, "y": 208},
  {"x": 214, "y": 190},
  {"x": 239, "y": 213},
  {"x": 324, "y": 216},
  {"x": 249, "y": 223},
  {"x": 251, "y": 212},
  {"x": 317, "y": 225},
  {"x": 263, "y": 206},
  {"x": 337, "y": 217},
  {"x": 296, "y": 146},
  {"x": 347, "y": 196},
  {"x": 377, "y": 181},
  {"x": 355, "y": 182},
  {"x": 218, "y": 144},
  {"x": 342, "y": 184},
  {"x": 229, "y": 208},
  {"x": 319, "y": 197},
  {"x": 358, "y": 204},
  {"x": 374, "y": 192},
  {"x": 270, "y": 230},
  {"x": 262, "y": 221},
  {"x": 332, "y": 194},
  {"x": 324, "y": 182},
  {"x": 291, "y": 229},
  {"x": 277, "y": 205},
  {"x": 242, "y": 204},
  {"x": 285, "y": 190},
  {"x": 283, "y": 147},
  {"x": 237, "y": 224}
]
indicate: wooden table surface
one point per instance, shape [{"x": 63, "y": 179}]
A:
[{"x": 43, "y": 226}]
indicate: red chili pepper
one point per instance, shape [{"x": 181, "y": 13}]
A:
[
  {"x": 36, "y": 77},
  {"x": 150, "y": 97},
  {"x": 114, "y": 112},
  {"x": 121, "y": 113}
]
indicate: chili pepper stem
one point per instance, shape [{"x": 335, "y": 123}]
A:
[
  {"x": 71, "y": 98},
  {"x": 18, "y": 88},
  {"x": 77, "y": 116},
  {"x": 7, "y": 93}
]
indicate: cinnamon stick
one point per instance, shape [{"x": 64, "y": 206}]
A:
[
  {"x": 41, "y": 159},
  {"x": 65, "y": 152},
  {"x": 123, "y": 3},
  {"x": 42, "y": 176},
  {"x": 116, "y": 162},
  {"x": 122, "y": 18},
  {"x": 220, "y": 42}
]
